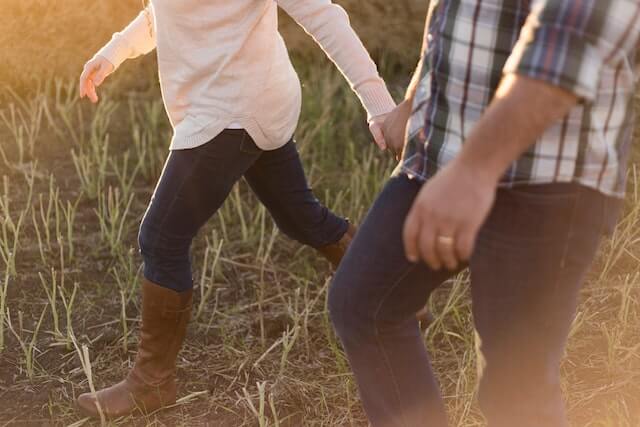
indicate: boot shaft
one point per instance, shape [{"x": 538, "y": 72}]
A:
[{"x": 165, "y": 316}]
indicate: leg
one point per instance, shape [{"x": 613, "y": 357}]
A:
[
  {"x": 278, "y": 180},
  {"x": 193, "y": 186},
  {"x": 373, "y": 300},
  {"x": 194, "y": 183},
  {"x": 529, "y": 263}
]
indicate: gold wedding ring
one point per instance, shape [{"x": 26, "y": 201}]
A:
[{"x": 446, "y": 240}]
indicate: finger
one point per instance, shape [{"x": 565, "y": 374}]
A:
[
  {"x": 398, "y": 154},
  {"x": 445, "y": 250},
  {"x": 378, "y": 136},
  {"x": 85, "y": 78},
  {"x": 91, "y": 91},
  {"x": 83, "y": 83},
  {"x": 427, "y": 247},
  {"x": 410, "y": 232}
]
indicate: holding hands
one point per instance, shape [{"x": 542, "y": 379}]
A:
[
  {"x": 388, "y": 130},
  {"x": 395, "y": 126}
]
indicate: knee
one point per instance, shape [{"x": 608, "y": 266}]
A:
[
  {"x": 520, "y": 403},
  {"x": 165, "y": 256},
  {"x": 158, "y": 245},
  {"x": 146, "y": 238},
  {"x": 336, "y": 303},
  {"x": 512, "y": 389},
  {"x": 348, "y": 312}
]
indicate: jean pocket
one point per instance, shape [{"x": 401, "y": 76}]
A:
[
  {"x": 613, "y": 207},
  {"x": 534, "y": 212},
  {"x": 544, "y": 194}
]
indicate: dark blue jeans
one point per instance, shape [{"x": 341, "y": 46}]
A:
[
  {"x": 526, "y": 271},
  {"x": 194, "y": 184}
]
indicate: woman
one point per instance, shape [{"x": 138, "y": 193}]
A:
[{"x": 233, "y": 99}]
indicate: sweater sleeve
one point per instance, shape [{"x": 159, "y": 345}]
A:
[
  {"x": 329, "y": 26},
  {"x": 138, "y": 38}
]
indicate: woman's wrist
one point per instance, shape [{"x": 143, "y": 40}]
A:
[
  {"x": 116, "y": 51},
  {"x": 376, "y": 99}
]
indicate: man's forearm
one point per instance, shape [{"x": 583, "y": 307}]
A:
[
  {"x": 522, "y": 110},
  {"x": 413, "y": 85}
]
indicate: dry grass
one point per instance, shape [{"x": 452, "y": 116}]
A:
[{"x": 74, "y": 182}]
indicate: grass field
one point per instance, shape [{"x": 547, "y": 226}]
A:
[{"x": 75, "y": 180}]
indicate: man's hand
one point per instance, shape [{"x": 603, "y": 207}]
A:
[
  {"x": 443, "y": 223},
  {"x": 395, "y": 126},
  {"x": 93, "y": 74}
]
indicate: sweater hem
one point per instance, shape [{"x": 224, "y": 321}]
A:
[{"x": 209, "y": 132}]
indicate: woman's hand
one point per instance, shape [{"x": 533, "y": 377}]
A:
[
  {"x": 375, "y": 127},
  {"x": 93, "y": 74},
  {"x": 389, "y": 129}
]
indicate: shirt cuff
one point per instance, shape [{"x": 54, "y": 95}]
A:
[
  {"x": 116, "y": 51},
  {"x": 559, "y": 56},
  {"x": 375, "y": 98}
]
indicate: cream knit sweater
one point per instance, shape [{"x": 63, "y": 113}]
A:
[{"x": 223, "y": 63}]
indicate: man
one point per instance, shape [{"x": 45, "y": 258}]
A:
[{"x": 514, "y": 166}]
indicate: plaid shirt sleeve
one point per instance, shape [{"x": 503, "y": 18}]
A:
[{"x": 567, "y": 43}]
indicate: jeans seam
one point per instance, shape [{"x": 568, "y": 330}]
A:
[
  {"x": 164, "y": 217},
  {"x": 565, "y": 250},
  {"x": 377, "y": 335}
]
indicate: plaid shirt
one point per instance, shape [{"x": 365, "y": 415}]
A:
[{"x": 585, "y": 46}]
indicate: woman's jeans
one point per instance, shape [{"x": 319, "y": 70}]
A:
[
  {"x": 527, "y": 268},
  {"x": 194, "y": 184}
]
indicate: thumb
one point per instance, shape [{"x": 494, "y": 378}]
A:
[
  {"x": 378, "y": 135},
  {"x": 410, "y": 232}
]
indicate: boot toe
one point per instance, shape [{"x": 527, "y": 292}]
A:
[{"x": 88, "y": 404}]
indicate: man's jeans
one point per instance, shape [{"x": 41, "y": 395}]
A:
[
  {"x": 195, "y": 183},
  {"x": 527, "y": 268}
]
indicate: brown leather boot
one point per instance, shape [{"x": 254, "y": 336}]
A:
[
  {"x": 151, "y": 383},
  {"x": 335, "y": 251}
]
